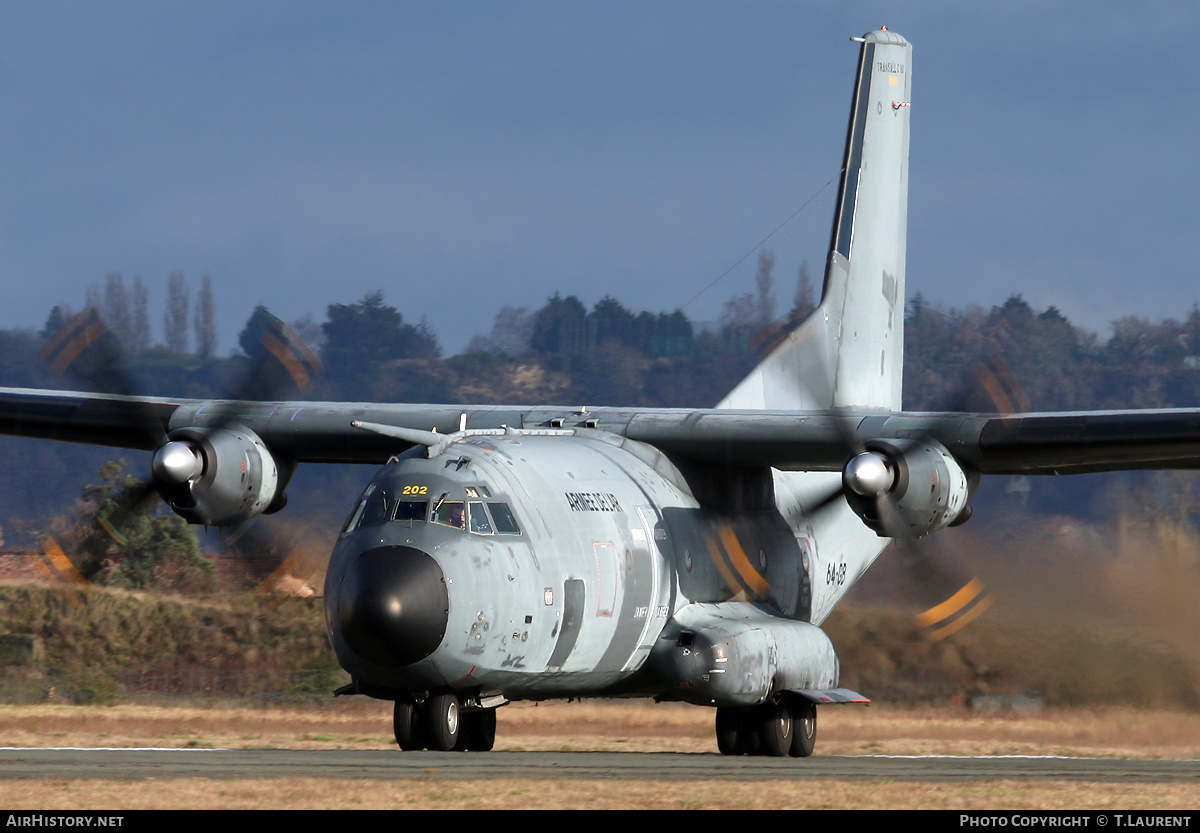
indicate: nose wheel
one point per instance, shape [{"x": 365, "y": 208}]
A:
[
  {"x": 407, "y": 726},
  {"x": 773, "y": 729},
  {"x": 478, "y": 731},
  {"x": 440, "y": 724}
]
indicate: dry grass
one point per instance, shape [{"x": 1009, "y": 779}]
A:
[
  {"x": 609, "y": 726},
  {"x": 598, "y": 725}
]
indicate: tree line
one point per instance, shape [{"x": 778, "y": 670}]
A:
[
  {"x": 126, "y": 310},
  {"x": 1007, "y": 357}
]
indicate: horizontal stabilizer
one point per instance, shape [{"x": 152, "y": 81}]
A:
[{"x": 834, "y": 697}]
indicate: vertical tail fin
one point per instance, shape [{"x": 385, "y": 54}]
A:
[{"x": 850, "y": 352}]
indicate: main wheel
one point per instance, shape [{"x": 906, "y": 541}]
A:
[
  {"x": 407, "y": 726},
  {"x": 442, "y": 723},
  {"x": 733, "y": 731},
  {"x": 774, "y": 729},
  {"x": 478, "y": 730},
  {"x": 804, "y": 728}
]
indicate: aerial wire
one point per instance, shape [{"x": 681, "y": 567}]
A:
[{"x": 760, "y": 243}]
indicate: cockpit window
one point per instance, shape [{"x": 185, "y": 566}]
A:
[
  {"x": 374, "y": 510},
  {"x": 352, "y": 521},
  {"x": 479, "y": 518},
  {"x": 450, "y": 513},
  {"x": 410, "y": 510},
  {"x": 506, "y": 524}
]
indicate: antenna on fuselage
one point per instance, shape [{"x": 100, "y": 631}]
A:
[{"x": 435, "y": 443}]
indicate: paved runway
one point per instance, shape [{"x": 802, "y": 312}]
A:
[{"x": 127, "y": 764}]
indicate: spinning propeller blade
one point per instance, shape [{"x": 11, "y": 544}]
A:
[{"x": 85, "y": 350}]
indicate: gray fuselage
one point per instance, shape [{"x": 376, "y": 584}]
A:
[{"x": 549, "y": 563}]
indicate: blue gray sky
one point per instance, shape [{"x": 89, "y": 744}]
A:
[{"x": 463, "y": 156}]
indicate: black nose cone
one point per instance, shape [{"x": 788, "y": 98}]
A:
[{"x": 393, "y": 606}]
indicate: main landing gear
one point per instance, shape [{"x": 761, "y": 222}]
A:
[
  {"x": 440, "y": 723},
  {"x": 788, "y": 727}
]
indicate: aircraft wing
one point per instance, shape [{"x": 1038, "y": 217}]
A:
[
  {"x": 92, "y": 418},
  {"x": 307, "y": 432},
  {"x": 1034, "y": 443}
]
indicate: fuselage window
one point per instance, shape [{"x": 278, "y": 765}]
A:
[
  {"x": 506, "y": 524},
  {"x": 410, "y": 510},
  {"x": 450, "y": 513},
  {"x": 479, "y": 518}
]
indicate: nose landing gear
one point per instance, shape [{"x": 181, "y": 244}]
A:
[{"x": 441, "y": 724}]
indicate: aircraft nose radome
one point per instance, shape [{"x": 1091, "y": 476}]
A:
[{"x": 393, "y": 606}]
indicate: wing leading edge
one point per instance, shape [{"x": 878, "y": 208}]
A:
[{"x": 322, "y": 432}]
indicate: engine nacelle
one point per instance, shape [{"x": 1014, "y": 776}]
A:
[
  {"x": 907, "y": 488},
  {"x": 218, "y": 476}
]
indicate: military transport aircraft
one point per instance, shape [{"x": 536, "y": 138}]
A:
[{"x": 506, "y": 553}]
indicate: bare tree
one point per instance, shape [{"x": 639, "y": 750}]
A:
[
  {"x": 206, "y": 321},
  {"x": 93, "y": 298},
  {"x": 803, "y": 305},
  {"x": 175, "y": 320},
  {"x": 116, "y": 308},
  {"x": 740, "y": 315},
  {"x": 139, "y": 325},
  {"x": 764, "y": 285},
  {"x": 309, "y": 330}
]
